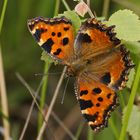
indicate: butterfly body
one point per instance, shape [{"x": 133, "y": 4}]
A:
[
  {"x": 96, "y": 58},
  {"x": 76, "y": 67}
]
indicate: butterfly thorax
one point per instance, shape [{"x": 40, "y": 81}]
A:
[{"x": 76, "y": 67}]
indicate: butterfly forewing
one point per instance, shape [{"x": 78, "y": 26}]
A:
[
  {"x": 95, "y": 38},
  {"x": 54, "y": 35}
]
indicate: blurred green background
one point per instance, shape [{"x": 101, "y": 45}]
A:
[{"x": 21, "y": 54}]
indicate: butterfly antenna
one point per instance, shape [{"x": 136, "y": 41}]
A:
[
  {"x": 64, "y": 93},
  {"x": 45, "y": 74}
]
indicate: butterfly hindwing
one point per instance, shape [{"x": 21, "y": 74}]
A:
[
  {"x": 54, "y": 35},
  {"x": 96, "y": 101},
  {"x": 113, "y": 69}
]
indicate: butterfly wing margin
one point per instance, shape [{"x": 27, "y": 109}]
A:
[
  {"x": 54, "y": 35},
  {"x": 97, "y": 101}
]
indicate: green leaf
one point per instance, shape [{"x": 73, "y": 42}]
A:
[
  {"x": 134, "y": 47},
  {"x": 127, "y": 25},
  {"x": 134, "y": 123},
  {"x": 75, "y": 19},
  {"x": 131, "y": 78}
]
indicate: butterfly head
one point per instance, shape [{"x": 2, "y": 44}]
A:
[
  {"x": 70, "y": 71},
  {"x": 75, "y": 68}
]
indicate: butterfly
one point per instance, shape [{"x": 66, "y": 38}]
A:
[{"x": 95, "y": 57}]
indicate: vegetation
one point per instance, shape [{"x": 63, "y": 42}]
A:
[{"x": 27, "y": 96}]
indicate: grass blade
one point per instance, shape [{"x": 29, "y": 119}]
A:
[
  {"x": 130, "y": 103},
  {"x": 4, "y": 102}
]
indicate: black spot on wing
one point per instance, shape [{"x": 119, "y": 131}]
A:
[
  {"x": 65, "y": 41},
  {"x": 83, "y": 92},
  {"x": 108, "y": 95},
  {"x": 47, "y": 46},
  {"x": 57, "y": 52},
  {"x": 53, "y": 33},
  {"x": 98, "y": 104},
  {"x": 59, "y": 34},
  {"x": 38, "y": 33},
  {"x": 66, "y": 28},
  {"x": 84, "y": 104},
  {"x": 97, "y": 91},
  {"x": 106, "y": 78},
  {"x": 100, "y": 99},
  {"x": 89, "y": 117},
  {"x": 85, "y": 38}
]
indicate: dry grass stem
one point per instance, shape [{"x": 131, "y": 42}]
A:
[
  {"x": 105, "y": 8},
  {"x": 4, "y": 102},
  {"x": 52, "y": 113},
  {"x": 32, "y": 105},
  {"x": 51, "y": 104}
]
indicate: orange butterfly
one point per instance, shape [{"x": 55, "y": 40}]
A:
[{"x": 96, "y": 58}]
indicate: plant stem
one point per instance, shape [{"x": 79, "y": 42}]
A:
[
  {"x": 43, "y": 94},
  {"x": 105, "y": 8},
  {"x": 90, "y": 134},
  {"x": 34, "y": 96},
  {"x": 56, "y": 10},
  {"x": 4, "y": 102},
  {"x": 3, "y": 14},
  {"x": 51, "y": 104},
  {"x": 130, "y": 103},
  {"x": 66, "y": 5},
  {"x": 32, "y": 105}
]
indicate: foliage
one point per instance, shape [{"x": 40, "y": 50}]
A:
[
  {"x": 134, "y": 122},
  {"x": 130, "y": 78},
  {"x": 76, "y": 22},
  {"x": 20, "y": 55},
  {"x": 127, "y": 25}
]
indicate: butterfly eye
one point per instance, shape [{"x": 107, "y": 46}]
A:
[{"x": 70, "y": 72}]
